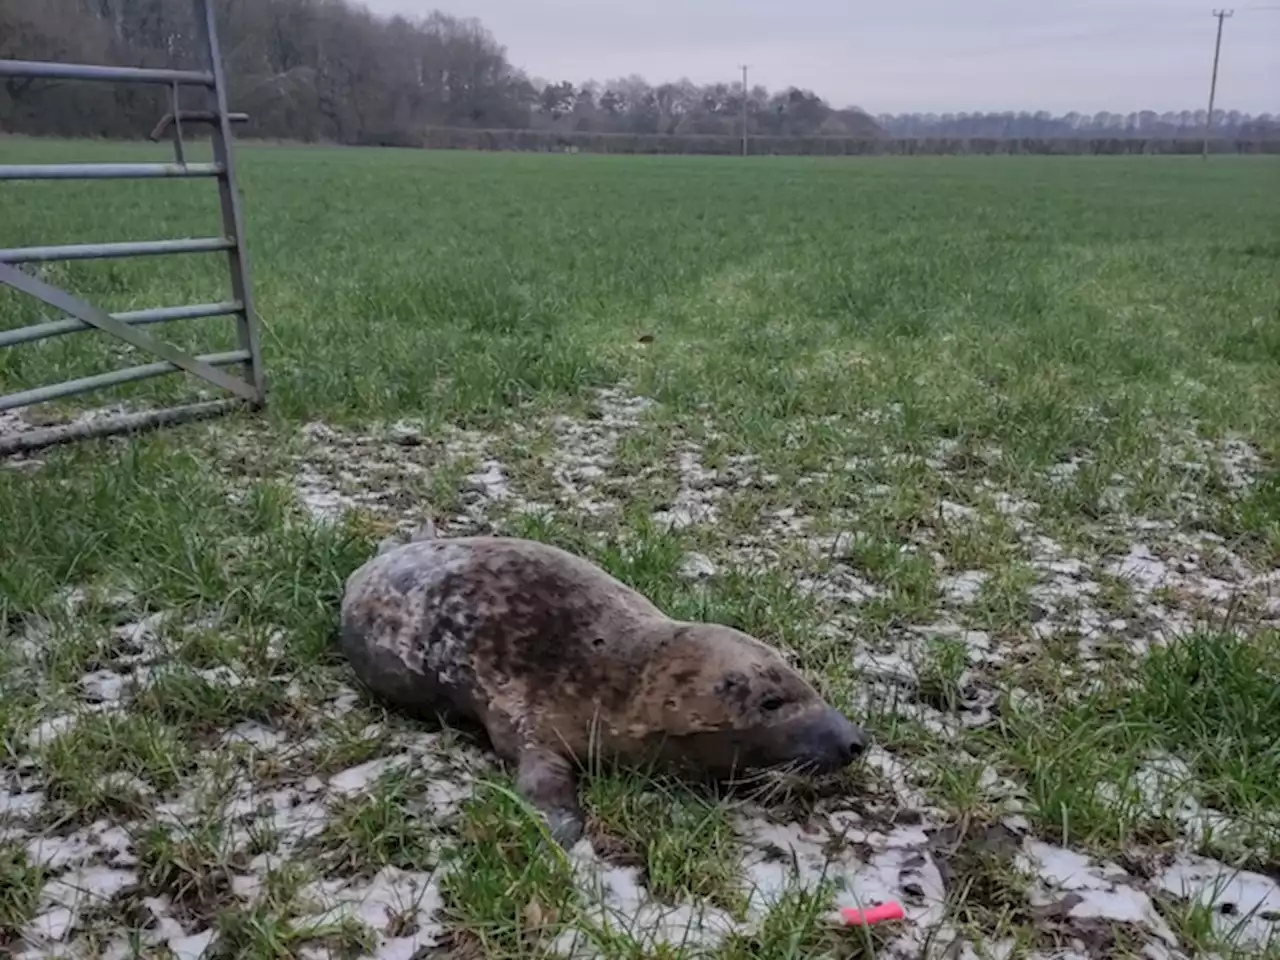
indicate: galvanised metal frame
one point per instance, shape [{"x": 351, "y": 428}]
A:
[{"x": 84, "y": 316}]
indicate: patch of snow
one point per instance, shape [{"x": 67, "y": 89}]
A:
[
  {"x": 616, "y": 901},
  {"x": 1096, "y": 891},
  {"x": 193, "y": 947},
  {"x": 491, "y": 481},
  {"x": 892, "y": 667},
  {"x": 380, "y": 903},
  {"x": 255, "y": 735},
  {"x": 1246, "y": 905},
  {"x": 963, "y": 588},
  {"x": 954, "y": 512},
  {"x": 102, "y": 686},
  {"x": 697, "y": 566},
  {"x": 15, "y": 805},
  {"x": 362, "y": 777},
  {"x": 53, "y": 924},
  {"x": 1140, "y": 567},
  {"x": 696, "y": 500}
]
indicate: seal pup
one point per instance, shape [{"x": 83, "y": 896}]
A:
[{"x": 558, "y": 661}]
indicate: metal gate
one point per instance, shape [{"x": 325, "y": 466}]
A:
[{"x": 248, "y": 390}]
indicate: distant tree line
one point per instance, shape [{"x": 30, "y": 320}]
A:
[
  {"x": 327, "y": 70},
  {"x": 1146, "y": 124},
  {"x": 547, "y": 141}
]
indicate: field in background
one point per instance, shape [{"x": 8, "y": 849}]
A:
[
  {"x": 972, "y": 439},
  {"x": 461, "y": 138}
]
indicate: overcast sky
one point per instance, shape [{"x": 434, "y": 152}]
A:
[{"x": 911, "y": 55}]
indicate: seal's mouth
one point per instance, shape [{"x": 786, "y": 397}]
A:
[
  {"x": 828, "y": 742},
  {"x": 815, "y": 743}
]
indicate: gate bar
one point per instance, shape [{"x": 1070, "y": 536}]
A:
[
  {"x": 64, "y": 301},
  {"x": 81, "y": 315},
  {"x": 232, "y": 215},
  {"x": 136, "y": 318},
  {"x": 69, "y": 388},
  {"x": 106, "y": 171},
  {"x": 30, "y": 440},
  {"x": 190, "y": 116},
  {"x": 43, "y": 70},
  {"x": 104, "y": 251}
]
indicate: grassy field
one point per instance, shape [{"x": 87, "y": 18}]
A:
[{"x": 986, "y": 445}]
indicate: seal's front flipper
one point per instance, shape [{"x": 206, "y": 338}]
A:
[{"x": 547, "y": 781}]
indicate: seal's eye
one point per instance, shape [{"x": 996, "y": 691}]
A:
[{"x": 772, "y": 703}]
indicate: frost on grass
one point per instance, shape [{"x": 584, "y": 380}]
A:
[
  {"x": 345, "y": 835},
  {"x": 187, "y": 832},
  {"x": 938, "y": 651},
  {"x": 17, "y": 424}
]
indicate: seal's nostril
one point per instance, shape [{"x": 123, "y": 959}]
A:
[{"x": 856, "y": 748}]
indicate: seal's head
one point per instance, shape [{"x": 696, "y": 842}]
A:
[{"x": 729, "y": 704}]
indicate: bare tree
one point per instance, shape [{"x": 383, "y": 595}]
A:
[{"x": 331, "y": 70}]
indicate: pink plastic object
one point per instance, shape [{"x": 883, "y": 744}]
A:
[{"x": 854, "y": 917}]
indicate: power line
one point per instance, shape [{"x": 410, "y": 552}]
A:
[{"x": 1213, "y": 83}]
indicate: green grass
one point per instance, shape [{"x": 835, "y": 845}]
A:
[
  {"x": 1214, "y": 700},
  {"x": 77, "y": 765},
  {"x": 1209, "y": 700},
  {"x": 684, "y": 844},
  {"x": 508, "y": 887},
  {"x": 369, "y": 833},
  {"x": 887, "y": 338},
  {"x": 20, "y": 885}
]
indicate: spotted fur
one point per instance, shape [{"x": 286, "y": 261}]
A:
[{"x": 556, "y": 659}]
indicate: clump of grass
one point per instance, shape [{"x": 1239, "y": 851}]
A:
[
  {"x": 199, "y": 704},
  {"x": 82, "y": 766},
  {"x": 20, "y": 884},
  {"x": 795, "y": 927},
  {"x": 1210, "y": 699},
  {"x": 1071, "y": 759},
  {"x": 985, "y": 890},
  {"x": 1253, "y": 519},
  {"x": 346, "y": 741},
  {"x": 193, "y": 864},
  {"x": 941, "y": 673},
  {"x": 292, "y": 579},
  {"x": 1116, "y": 595},
  {"x": 72, "y": 646},
  {"x": 208, "y": 647},
  {"x": 18, "y": 713},
  {"x": 684, "y": 845},
  {"x": 987, "y": 542},
  {"x": 380, "y": 829},
  {"x": 1213, "y": 699},
  {"x": 1004, "y": 600},
  {"x": 509, "y": 886},
  {"x": 262, "y": 932},
  {"x": 908, "y": 575}
]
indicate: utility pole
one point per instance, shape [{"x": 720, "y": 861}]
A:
[
  {"x": 1213, "y": 83},
  {"x": 744, "y": 109}
]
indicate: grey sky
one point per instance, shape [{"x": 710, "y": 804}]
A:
[{"x": 912, "y": 55}]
